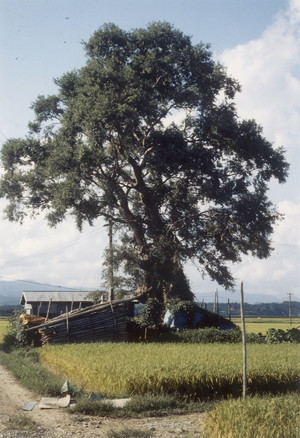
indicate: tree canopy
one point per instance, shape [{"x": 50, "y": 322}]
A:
[{"x": 146, "y": 134}]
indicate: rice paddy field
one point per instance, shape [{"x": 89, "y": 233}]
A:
[
  {"x": 198, "y": 371},
  {"x": 267, "y": 417},
  {"x": 3, "y": 327},
  {"x": 261, "y": 325}
]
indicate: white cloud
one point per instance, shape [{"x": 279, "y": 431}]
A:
[
  {"x": 268, "y": 70},
  {"x": 61, "y": 256}
]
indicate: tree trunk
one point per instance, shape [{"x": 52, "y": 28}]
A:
[{"x": 164, "y": 281}]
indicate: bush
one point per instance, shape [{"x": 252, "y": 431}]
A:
[
  {"x": 15, "y": 337},
  {"x": 209, "y": 335},
  {"x": 278, "y": 336},
  {"x": 151, "y": 318}
]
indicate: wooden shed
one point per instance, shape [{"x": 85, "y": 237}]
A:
[
  {"x": 98, "y": 323},
  {"x": 53, "y": 303}
]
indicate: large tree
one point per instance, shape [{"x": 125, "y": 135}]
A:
[{"x": 146, "y": 134}]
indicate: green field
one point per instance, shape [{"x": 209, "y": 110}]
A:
[
  {"x": 198, "y": 370},
  {"x": 261, "y": 325},
  {"x": 3, "y": 327}
]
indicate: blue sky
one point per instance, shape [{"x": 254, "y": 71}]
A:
[
  {"x": 41, "y": 39},
  {"x": 258, "y": 41}
]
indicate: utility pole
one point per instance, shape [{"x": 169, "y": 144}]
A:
[
  {"x": 229, "y": 310},
  {"x": 216, "y": 303},
  {"x": 111, "y": 262},
  {"x": 214, "y": 308},
  {"x": 290, "y": 308}
]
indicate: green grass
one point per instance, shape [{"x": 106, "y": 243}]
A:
[
  {"x": 138, "y": 406},
  {"x": 21, "y": 422},
  {"x": 267, "y": 417},
  {"x": 198, "y": 371},
  {"x": 23, "y": 363},
  {"x": 261, "y": 325}
]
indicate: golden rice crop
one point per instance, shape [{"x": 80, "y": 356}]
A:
[
  {"x": 261, "y": 325},
  {"x": 198, "y": 370},
  {"x": 268, "y": 417},
  {"x": 3, "y": 328}
]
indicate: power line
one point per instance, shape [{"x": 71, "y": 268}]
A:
[
  {"x": 3, "y": 135},
  {"x": 53, "y": 250},
  {"x": 43, "y": 284}
]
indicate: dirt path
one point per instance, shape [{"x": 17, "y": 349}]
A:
[{"x": 56, "y": 423}]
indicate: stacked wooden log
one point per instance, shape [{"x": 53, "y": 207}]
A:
[
  {"x": 31, "y": 320},
  {"x": 102, "y": 323}
]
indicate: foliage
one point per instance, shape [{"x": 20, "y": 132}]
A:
[
  {"x": 147, "y": 135},
  {"x": 24, "y": 364},
  {"x": 126, "y": 277},
  {"x": 268, "y": 417},
  {"x": 151, "y": 314},
  {"x": 98, "y": 296},
  {"x": 138, "y": 406},
  {"x": 187, "y": 308},
  {"x": 15, "y": 336},
  {"x": 208, "y": 336},
  {"x": 278, "y": 336},
  {"x": 150, "y": 317},
  {"x": 21, "y": 422},
  {"x": 195, "y": 371},
  {"x": 213, "y": 335}
]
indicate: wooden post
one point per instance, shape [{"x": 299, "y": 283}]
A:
[
  {"x": 244, "y": 343},
  {"x": 111, "y": 262},
  {"x": 67, "y": 324},
  {"x": 48, "y": 310}
]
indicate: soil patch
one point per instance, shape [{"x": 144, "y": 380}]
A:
[{"x": 56, "y": 423}]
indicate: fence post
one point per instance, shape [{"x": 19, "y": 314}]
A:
[{"x": 244, "y": 343}]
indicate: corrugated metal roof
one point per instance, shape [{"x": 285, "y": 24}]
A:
[{"x": 54, "y": 296}]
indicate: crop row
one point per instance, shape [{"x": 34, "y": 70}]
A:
[{"x": 197, "y": 371}]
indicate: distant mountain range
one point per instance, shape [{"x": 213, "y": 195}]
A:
[{"x": 11, "y": 291}]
